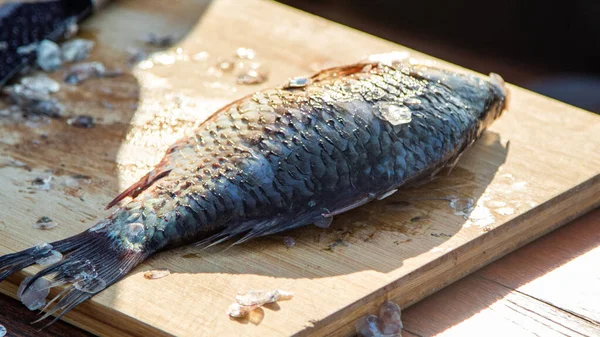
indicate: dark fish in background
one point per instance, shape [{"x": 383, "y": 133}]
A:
[
  {"x": 23, "y": 24},
  {"x": 275, "y": 160}
]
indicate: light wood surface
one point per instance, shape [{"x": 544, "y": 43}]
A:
[
  {"x": 402, "y": 248},
  {"x": 550, "y": 287}
]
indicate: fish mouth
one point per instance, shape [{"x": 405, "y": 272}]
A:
[{"x": 500, "y": 88}]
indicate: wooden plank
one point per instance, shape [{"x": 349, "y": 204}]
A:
[
  {"x": 568, "y": 257},
  {"x": 476, "y": 306},
  {"x": 398, "y": 252},
  {"x": 516, "y": 294}
]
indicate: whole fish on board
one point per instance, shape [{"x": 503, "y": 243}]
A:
[{"x": 278, "y": 159}]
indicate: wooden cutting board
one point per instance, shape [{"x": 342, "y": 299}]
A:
[{"x": 535, "y": 169}]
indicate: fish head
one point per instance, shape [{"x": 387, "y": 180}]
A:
[
  {"x": 486, "y": 99},
  {"x": 496, "y": 101}
]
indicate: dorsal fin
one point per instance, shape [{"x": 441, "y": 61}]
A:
[
  {"x": 341, "y": 71},
  {"x": 139, "y": 186}
]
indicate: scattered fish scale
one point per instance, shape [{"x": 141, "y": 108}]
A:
[
  {"x": 254, "y": 299},
  {"x": 33, "y": 96},
  {"x": 83, "y": 71},
  {"x": 76, "y": 50},
  {"x": 52, "y": 258},
  {"x": 387, "y": 324},
  {"x": 49, "y": 57},
  {"x": 261, "y": 297}
]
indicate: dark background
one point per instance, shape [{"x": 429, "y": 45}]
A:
[{"x": 549, "y": 47}]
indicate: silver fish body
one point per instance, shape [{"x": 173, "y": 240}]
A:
[{"x": 279, "y": 159}]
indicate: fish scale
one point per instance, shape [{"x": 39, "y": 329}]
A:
[{"x": 279, "y": 159}]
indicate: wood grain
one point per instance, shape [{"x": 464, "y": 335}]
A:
[
  {"x": 502, "y": 314},
  {"x": 404, "y": 247},
  {"x": 520, "y": 295}
]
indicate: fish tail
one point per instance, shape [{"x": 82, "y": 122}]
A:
[
  {"x": 12, "y": 263},
  {"x": 92, "y": 261}
]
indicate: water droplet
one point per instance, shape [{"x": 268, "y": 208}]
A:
[
  {"x": 245, "y": 53},
  {"x": 324, "y": 222},
  {"x": 252, "y": 76},
  {"x": 201, "y": 56},
  {"x": 2, "y": 330},
  {"x": 44, "y": 223},
  {"x": 519, "y": 185},
  {"x": 156, "y": 274},
  {"x": 394, "y": 113},
  {"x": 53, "y": 257},
  {"x": 35, "y": 296},
  {"x": 481, "y": 216},
  {"x": 496, "y": 203},
  {"x": 461, "y": 207},
  {"x": 90, "y": 285},
  {"x": 225, "y": 65},
  {"x": 163, "y": 58},
  {"x": 391, "y": 58},
  {"x": 146, "y": 64}
]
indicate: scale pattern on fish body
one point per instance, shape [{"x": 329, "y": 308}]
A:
[{"x": 284, "y": 158}]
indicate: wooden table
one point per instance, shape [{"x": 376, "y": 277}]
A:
[
  {"x": 550, "y": 287},
  {"x": 402, "y": 248}
]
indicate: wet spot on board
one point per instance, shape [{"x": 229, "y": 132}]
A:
[
  {"x": 156, "y": 40},
  {"x": 337, "y": 243},
  {"x": 441, "y": 235},
  {"x": 44, "y": 223}
]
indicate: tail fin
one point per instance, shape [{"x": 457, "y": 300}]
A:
[{"x": 92, "y": 262}]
